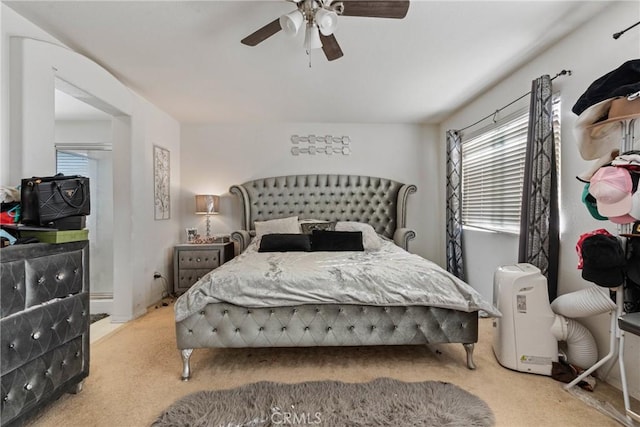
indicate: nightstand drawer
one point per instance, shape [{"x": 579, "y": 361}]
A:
[
  {"x": 200, "y": 259},
  {"x": 192, "y": 261},
  {"x": 188, "y": 277}
]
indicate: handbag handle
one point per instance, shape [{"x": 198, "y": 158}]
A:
[{"x": 66, "y": 198}]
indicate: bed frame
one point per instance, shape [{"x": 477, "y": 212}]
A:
[{"x": 379, "y": 202}]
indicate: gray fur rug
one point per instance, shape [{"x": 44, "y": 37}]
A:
[{"x": 381, "y": 402}]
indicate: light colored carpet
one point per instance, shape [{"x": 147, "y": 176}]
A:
[
  {"x": 381, "y": 402},
  {"x": 135, "y": 375}
]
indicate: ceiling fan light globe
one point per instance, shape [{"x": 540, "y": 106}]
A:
[
  {"x": 291, "y": 22},
  {"x": 327, "y": 21},
  {"x": 312, "y": 38}
]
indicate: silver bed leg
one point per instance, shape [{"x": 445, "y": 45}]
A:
[
  {"x": 469, "y": 348},
  {"x": 186, "y": 370}
]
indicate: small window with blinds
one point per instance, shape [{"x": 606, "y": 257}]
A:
[
  {"x": 492, "y": 175},
  {"x": 72, "y": 163},
  {"x": 493, "y": 172}
]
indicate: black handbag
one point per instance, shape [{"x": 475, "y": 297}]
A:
[{"x": 47, "y": 199}]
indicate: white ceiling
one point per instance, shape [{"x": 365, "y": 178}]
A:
[{"x": 186, "y": 57}]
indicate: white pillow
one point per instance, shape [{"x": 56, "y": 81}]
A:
[
  {"x": 281, "y": 225},
  {"x": 370, "y": 239}
]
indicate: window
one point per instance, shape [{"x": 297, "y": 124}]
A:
[
  {"x": 493, "y": 169},
  {"x": 72, "y": 163}
]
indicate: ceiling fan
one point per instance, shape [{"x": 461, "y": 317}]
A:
[{"x": 320, "y": 18}]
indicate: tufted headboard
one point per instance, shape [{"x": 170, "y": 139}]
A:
[{"x": 379, "y": 202}]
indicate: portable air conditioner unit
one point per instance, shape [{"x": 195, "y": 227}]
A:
[{"x": 522, "y": 338}]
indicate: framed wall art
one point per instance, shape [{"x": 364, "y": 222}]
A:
[{"x": 161, "y": 184}]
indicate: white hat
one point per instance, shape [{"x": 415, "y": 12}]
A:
[
  {"x": 629, "y": 158},
  {"x": 602, "y": 161},
  {"x": 598, "y": 129}
]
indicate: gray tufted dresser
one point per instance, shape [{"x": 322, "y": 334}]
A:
[{"x": 44, "y": 327}]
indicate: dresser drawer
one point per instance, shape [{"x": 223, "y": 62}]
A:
[{"x": 199, "y": 259}]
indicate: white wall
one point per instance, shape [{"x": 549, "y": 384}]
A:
[
  {"x": 29, "y": 69},
  {"x": 219, "y": 156},
  {"x": 152, "y": 241},
  {"x": 82, "y": 131},
  {"x": 11, "y": 24},
  {"x": 101, "y": 185},
  {"x": 589, "y": 53}
]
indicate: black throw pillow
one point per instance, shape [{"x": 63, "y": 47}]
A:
[
  {"x": 322, "y": 240},
  {"x": 285, "y": 242}
]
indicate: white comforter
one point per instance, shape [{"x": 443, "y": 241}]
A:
[{"x": 390, "y": 276}]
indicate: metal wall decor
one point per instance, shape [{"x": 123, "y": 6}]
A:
[
  {"x": 161, "y": 184},
  {"x": 312, "y": 145}
]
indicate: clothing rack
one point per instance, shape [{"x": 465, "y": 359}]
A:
[{"x": 615, "y": 334}]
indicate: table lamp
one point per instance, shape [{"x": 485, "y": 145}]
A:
[{"x": 207, "y": 204}]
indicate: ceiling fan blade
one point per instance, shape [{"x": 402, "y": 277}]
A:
[
  {"x": 331, "y": 47},
  {"x": 376, "y": 8},
  {"x": 263, "y": 33}
]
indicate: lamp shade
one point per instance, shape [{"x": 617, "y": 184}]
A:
[
  {"x": 291, "y": 22},
  {"x": 207, "y": 204},
  {"x": 327, "y": 21},
  {"x": 312, "y": 38}
]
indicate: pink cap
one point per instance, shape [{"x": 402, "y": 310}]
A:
[
  {"x": 623, "y": 219},
  {"x": 612, "y": 186}
]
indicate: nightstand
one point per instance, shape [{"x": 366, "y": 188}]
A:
[{"x": 191, "y": 262}]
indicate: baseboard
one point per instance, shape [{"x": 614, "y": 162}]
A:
[
  {"x": 101, "y": 306},
  {"x": 164, "y": 302}
]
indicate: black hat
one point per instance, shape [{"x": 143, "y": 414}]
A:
[
  {"x": 603, "y": 260},
  {"x": 633, "y": 263},
  {"x": 622, "y": 81}
]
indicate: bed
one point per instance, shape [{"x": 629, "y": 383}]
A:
[{"x": 302, "y": 299}]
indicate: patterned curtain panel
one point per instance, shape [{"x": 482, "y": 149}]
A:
[
  {"x": 454, "y": 204},
  {"x": 539, "y": 236}
]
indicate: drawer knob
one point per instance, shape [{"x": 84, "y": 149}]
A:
[{"x": 197, "y": 259}]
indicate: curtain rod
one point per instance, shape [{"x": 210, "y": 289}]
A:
[
  {"x": 561, "y": 73},
  {"x": 617, "y": 35}
]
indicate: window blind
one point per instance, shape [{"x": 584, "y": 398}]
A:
[
  {"x": 72, "y": 163},
  {"x": 492, "y": 175},
  {"x": 493, "y": 171}
]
